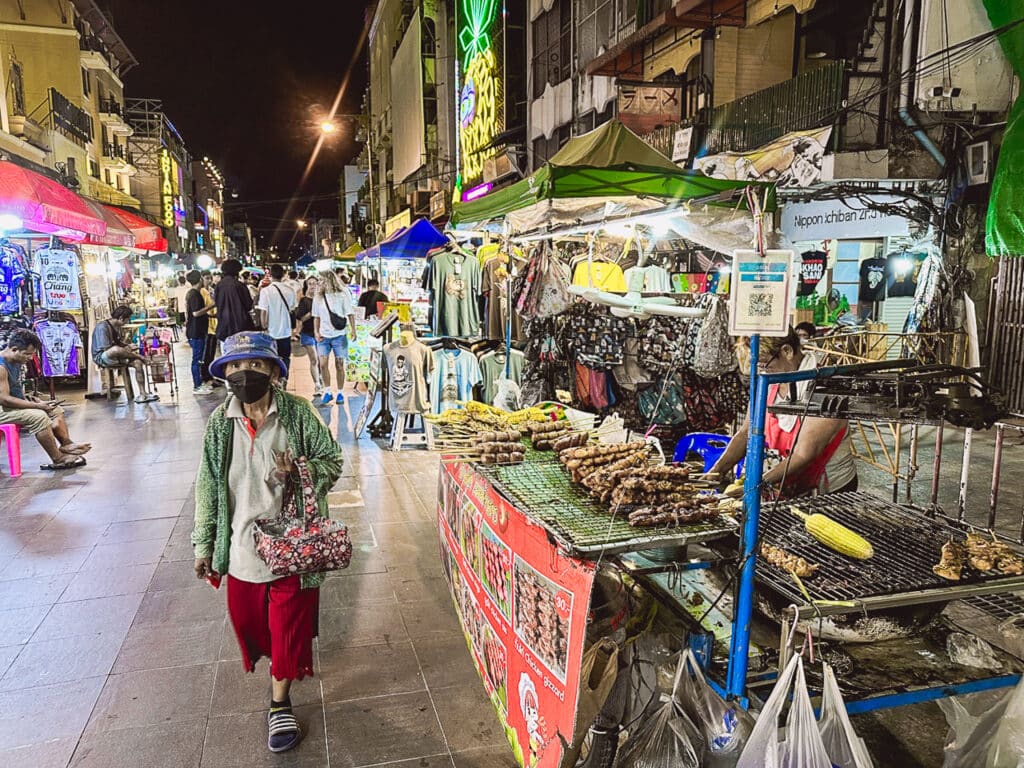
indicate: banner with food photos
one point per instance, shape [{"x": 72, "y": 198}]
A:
[{"x": 523, "y": 606}]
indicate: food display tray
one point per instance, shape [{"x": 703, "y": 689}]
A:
[{"x": 542, "y": 488}]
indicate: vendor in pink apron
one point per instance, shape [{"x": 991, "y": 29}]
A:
[{"x": 818, "y": 454}]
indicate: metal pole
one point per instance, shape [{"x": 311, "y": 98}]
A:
[
  {"x": 739, "y": 649},
  {"x": 965, "y": 467},
  {"x": 912, "y": 468},
  {"x": 997, "y": 460},
  {"x": 937, "y": 464}
]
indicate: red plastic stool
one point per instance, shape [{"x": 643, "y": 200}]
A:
[{"x": 10, "y": 432}]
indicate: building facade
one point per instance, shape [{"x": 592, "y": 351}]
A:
[{"x": 208, "y": 208}]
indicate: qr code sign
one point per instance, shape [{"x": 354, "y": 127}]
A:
[{"x": 761, "y": 304}]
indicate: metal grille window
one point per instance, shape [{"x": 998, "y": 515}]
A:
[
  {"x": 602, "y": 24},
  {"x": 552, "y": 47},
  {"x": 17, "y": 88}
]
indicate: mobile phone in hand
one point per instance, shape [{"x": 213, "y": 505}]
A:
[{"x": 213, "y": 579}]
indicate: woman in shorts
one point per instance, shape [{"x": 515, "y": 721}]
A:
[{"x": 307, "y": 337}]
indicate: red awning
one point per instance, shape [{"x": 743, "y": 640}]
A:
[
  {"x": 148, "y": 237},
  {"x": 117, "y": 233},
  {"x": 37, "y": 200}
]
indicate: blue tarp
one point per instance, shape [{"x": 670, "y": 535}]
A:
[{"x": 409, "y": 243}]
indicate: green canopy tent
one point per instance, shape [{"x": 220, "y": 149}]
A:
[{"x": 606, "y": 174}]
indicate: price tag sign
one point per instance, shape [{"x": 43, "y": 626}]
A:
[{"x": 761, "y": 293}]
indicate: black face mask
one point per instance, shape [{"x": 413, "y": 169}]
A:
[{"x": 249, "y": 386}]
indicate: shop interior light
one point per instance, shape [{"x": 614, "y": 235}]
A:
[
  {"x": 323, "y": 265},
  {"x": 95, "y": 268},
  {"x": 204, "y": 261},
  {"x": 9, "y": 222}
]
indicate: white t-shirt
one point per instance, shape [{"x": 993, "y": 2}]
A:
[
  {"x": 340, "y": 303},
  {"x": 181, "y": 295},
  {"x": 278, "y": 307}
]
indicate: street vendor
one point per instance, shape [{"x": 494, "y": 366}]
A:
[{"x": 819, "y": 453}]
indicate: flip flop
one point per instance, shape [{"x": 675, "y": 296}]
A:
[{"x": 79, "y": 461}]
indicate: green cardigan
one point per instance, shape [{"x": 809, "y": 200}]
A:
[{"x": 308, "y": 436}]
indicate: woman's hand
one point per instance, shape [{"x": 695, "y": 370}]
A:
[
  {"x": 284, "y": 465},
  {"x": 203, "y": 567}
]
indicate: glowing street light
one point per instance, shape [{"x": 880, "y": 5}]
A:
[
  {"x": 328, "y": 127},
  {"x": 301, "y": 223}
]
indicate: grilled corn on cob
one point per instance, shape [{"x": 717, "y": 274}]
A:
[{"x": 836, "y": 537}]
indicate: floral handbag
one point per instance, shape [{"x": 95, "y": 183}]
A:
[{"x": 295, "y": 542}]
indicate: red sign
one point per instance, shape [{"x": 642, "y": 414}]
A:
[{"x": 523, "y": 606}]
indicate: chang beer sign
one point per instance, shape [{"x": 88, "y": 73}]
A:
[
  {"x": 167, "y": 188},
  {"x": 481, "y": 116}
]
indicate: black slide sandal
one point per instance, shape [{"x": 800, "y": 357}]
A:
[{"x": 78, "y": 462}]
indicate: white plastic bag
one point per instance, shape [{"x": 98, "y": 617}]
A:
[
  {"x": 845, "y": 748},
  {"x": 1007, "y": 747},
  {"x": 799, "y": 745},
  {"x": 724, "y": 725}
]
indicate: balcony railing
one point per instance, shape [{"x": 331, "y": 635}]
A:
[
  {"x": 69, "y": 119},
  {"x": 118, "y": 152},
  {"x": 111, "y": 106}
]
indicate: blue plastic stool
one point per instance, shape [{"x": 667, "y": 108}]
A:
[{"x": 708, "y": 445}]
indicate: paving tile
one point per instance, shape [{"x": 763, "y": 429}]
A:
[
  {"x": 42, "y": 590},
  {"x": 47, "y": 662},
  {"x": 65, "y": 533},
  {"x": 430, "y": 618},
  {"x": 446, "y": 662},
  {"x": 468, "y": 718},
  {"x": 413, "y": 585},
  {"x": 29, "y": 565},
  {"x": 37, "y": 715},
  {"x": 175, "y": 745},
  {"x": 138, "y": 530},
  {"x": 8, "y": 654},
  {"x": 430, "y": 761},
  {"x": 371, "y": 670},
  {"x": 173, "y": 575},
  {"x": 240, "y": 741},
  {"x": 109, "y": 583},
  {"x": 238, "y": 692},
  {"x": 169, "y": 644},
  {"x": 383, "y": 729},
  {"x": 347, "y": 589},
  {"x": 361, "y": 625},
  {"x": 127, "y": 553},
  {"x": 499, "y": 756},
  {"x": 54, "y": 753},
  {"x": 366, "y": 559},
  {"x": 146, "y": 508},
  {"x": 18, "y": 625},
  {"x": 151, "y": 697},
  {"x": 179, "y": 606},
  {"x": 179, "y": 551},
  {"x": 107, "y": 616}
]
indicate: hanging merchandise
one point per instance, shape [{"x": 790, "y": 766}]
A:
[
  {"x": 872, "y": 281},
  {"x": 631, "y": 374},
  {"x": 12, "y": 277},
  {"x": 714, "y": 353},
  {"x": 58, "y": 279},
  {"x": 455, "y": 279},
  {"x": 597, "y": 337},
  {"x": 902, "y": 272},
  {"x": 652, "y": 279},
  {"x": 845, "y": 748},
  {"x": 494, "y": 284},
  {"x": 456, "y": 372},
  {"x": 62, "y": 347},
  {"x": 492, "y": 367},
  {"x": 666, "y": 344},
  {"x": 542, "y": 287},
  {"x": 603, "y": 275},
  {"x": 546, "y": 366},
  {"x": 410, "y": 363},
  {"x": 812, "y": 271}
]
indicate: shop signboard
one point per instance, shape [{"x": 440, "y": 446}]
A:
[
  {"x": 681, "y": 143},
  {"x": 372, "y": 386},
  {"x": 792, "y": 160},
  {"x": 400, "y": 220},
  {"x": 642, "y": 108},
  {"x": 523, "y": 607},
  {"x": 849, "y": 218},
  {"x": 480, "y": 33},
  {"x": 761, "y": 293},
  {"x": 59, "y": 287}
]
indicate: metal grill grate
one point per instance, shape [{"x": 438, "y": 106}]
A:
[
  {"x": 1000, "y": 607},
  {"x": 581, "y": 524},
  {"x": 906, "y": 546}
]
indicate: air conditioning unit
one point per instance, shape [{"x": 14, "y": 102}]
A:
[{"x": 499, "y": 166}]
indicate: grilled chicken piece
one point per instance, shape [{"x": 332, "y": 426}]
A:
[
  {"x": 780, "y": 558},
  {"x": 951, "y": 562}
]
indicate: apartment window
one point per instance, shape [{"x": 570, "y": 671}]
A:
[
  {"x": 595, "y": 27},
  {"x": 17, "y": 88},
  {"x": 86, "y": 85},
  {"x": 552, "y": 47},
  {"x": 544, "y": 149}
]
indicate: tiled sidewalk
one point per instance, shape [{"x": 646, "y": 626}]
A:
[{"x": 113, "y": 655}]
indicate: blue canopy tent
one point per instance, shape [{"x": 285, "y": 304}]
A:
[{"x": 409, "y": 243}]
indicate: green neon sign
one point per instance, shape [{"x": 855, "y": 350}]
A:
[{"x": 475, "y": 37}]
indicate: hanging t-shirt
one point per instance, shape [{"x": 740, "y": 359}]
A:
[
  {"x": 901, "y": 274},
  {"x": 58, "y": 279},
  {"x": 812, "y": 271},
  {"x": 455, "y": 280},
  {"x": 456, "y": 372},
  {"x": 12, "y": 275},
  {"x": 61, "y": 345},
  {"x": 408, "y": 369},
  {"x": 872, "y": 281},
  {"x": 603, "y": 275},
  {"x": 494, "y": 283},
  {"x": 492, "y": 367},
  {"x": 653, "y": 279}
]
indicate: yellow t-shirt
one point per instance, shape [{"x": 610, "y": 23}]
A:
[
  {"x": 603, "y": 275},
  {"x": 212, "y": 314}
]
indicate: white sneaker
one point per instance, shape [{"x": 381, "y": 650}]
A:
[
  {"x": 140, "y": 399},
  {"x": 203, "y": 389}
]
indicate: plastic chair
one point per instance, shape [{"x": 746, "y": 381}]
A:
[{"x": 10, "y": 433}]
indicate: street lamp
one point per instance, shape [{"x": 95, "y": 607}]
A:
[
  {"x": 328, "y": 127},
  {"x": 301, "y": 223}
]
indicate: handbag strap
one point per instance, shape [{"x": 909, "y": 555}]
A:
[{"x": 300, "y": 492}]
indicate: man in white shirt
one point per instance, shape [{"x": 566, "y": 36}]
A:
[
  {"x": 276, "y": 303},
  {"x": 333, "y": 317},
  {"x": 181, "y": 297}
]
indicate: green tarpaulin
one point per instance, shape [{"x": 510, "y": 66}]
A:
[
  {"x": 609, "y": 162},
  {"x": 1004, "y": 226}
]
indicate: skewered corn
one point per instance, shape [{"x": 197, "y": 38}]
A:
[{"x": 836, "y": 537}]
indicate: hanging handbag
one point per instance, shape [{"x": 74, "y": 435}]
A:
[
  {"x": 714, "y": 349},
  {"x": 340, "y": 322},
  {"x": 299, "y": 542}
]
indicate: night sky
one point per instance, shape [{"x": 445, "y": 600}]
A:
[{"x": 246, "y": 83}]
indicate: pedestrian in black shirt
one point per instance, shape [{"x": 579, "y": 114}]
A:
[
  {"x": 234, "y": 302},
  {"x": 371, "y": 297},
  {"x": 197, "y": 328}
]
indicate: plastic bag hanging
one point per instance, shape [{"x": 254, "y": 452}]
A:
[
  {"x": 845, "y": 748},
  {"x": 724, "y": 725}
]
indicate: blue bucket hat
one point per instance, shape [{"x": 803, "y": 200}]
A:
[{"x": 246, "y": 346}]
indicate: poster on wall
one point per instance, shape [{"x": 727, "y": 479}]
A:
[
  {"x": 523, "y": 607},
  {"x": 58, "y": 279},
  {"x": 792, "y": 160},
  {"x": 642, "y": 108},
  {"x": 761, "y": 295},
  {"x": 360, "y": 350}
]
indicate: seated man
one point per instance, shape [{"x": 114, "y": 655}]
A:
[
  {"x": 44, "y": 419},
  {"x": 110, "y": 351}
]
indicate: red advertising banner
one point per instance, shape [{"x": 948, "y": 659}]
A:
[{"x": 523, "y": 606}]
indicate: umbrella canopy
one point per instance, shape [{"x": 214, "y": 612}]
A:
[
  {"x": 610, "y": 165},
  {"x": 350, "y": 253},
  {"x": 409, "y": 243},
  {"x": 148, "y": 236},
  {"x": 37, "y": 200},
  {"x": 117, "y": 233}
]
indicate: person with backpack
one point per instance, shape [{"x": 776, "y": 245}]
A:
[
  {"x": 276, "y": 303},
  {"x": 333, "y": 315}
]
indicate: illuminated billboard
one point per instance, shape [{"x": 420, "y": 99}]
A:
[{"x": 480, "y": 109}]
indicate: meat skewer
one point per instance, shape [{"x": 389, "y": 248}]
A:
[{"x": 787, "y": 562}]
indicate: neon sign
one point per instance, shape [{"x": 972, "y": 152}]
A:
[
  {"x": 166, "y": 189},
  {"x": 467, "y": 104},
  {"x": 477, "y": 192},
  {"x": 480, "y": 115}
]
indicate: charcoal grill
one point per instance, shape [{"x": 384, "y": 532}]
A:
[
  {"x": 906, "y": 546},
  {"x": 583, "y": 526}
]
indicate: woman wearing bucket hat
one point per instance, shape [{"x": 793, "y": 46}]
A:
[{"x": 249, "y": 448}]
